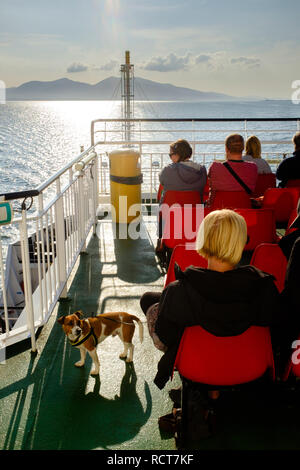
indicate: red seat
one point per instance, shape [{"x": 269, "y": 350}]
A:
[
  {"x": 230, "y": 200},
  {"x": 282, "y": 201},
  {"x": 293, "y": 183},
  {"x": 159, "y": 192},
  {"x": 184, "y": 258},
  {"x": 206, "y": 191},
  {"x": 181, "y": 224},
  {"x": 293, "y": 216},
  {"x": 182, "y": 197},
  {"x": 222, "y": 361},
  {"x": 264, "y": 181},
  {"x": 270, "y": 258},
  {"x": 260, "y": 226}
]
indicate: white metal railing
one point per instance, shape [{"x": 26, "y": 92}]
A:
[
  {"x": 152, "y": 137},
  {"x": 51, "y": 238}
]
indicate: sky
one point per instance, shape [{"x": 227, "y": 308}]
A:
[{"x": 237, "y": 47}]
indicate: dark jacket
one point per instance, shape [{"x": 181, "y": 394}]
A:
[
  {"x": 224, "y": 304},
  {"x": 289, "y": 169}
]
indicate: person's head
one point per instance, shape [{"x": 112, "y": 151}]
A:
[
  {"x": 180, "y": 151},
  {"x": 296, "y": 141},
  {"x": 234, "y": 146},
  {"x": 222, "y": 235},
  {"x": 253, "y": 147}
]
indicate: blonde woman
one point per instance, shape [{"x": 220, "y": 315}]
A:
[
  {"x": 225, "y": 299},
  {"x": 253, "y": 154}
]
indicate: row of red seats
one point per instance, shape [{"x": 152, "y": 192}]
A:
[
  {"x": 267, "y": 256},
  {"x": 182, "y": 223},
  {"x": 281, "y": 200}
]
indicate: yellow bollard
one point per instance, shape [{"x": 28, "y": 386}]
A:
[{"x": 125, "y": 185}]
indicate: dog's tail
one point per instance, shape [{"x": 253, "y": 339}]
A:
[{"x": 141, "y": 328}]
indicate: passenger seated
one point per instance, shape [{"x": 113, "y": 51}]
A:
[
  {"x": 253, "y": 154},
  {"x": 225, "y": 299},
  {"x": 220, "y": 178},
  {"x": 182, "y": 174},
  {"x": 289, "y": 168},
  {"x": 289, "y": 297}
]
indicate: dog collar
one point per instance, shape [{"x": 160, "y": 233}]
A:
[{"x": 78, "y": 342}]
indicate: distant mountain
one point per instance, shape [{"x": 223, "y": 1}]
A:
[{"x": 108, "y": 89}]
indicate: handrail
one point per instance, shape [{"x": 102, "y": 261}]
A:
[
  {"x": 51, "y": 180},
  {"x": 20, "y": 194},
  {"x": 195, "y": 119}
]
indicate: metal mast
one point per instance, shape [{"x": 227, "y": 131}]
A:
[{"x": 127, "y": 91}]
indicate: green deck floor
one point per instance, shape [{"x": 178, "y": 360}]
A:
[{"x": 47, "y": 403}]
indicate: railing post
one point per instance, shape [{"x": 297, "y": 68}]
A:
[
  {"x": 81, "y": 212},
  {"x": 4, "y": 291},
  {"x": 95, "y": 172},
  {"x": 60, "y": 241},
  {"x": 27, "y": 278}
]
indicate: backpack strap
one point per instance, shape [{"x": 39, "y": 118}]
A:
[{"x": 239, "y": 180}]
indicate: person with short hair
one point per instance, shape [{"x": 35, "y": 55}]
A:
[
  {"x": 253, "y": 154},
  {"x": 289, "y": 168},
  {"x": 225, "y": 299},
  {"x": 220, "y": 178},
  {"x": 182, "y": 174}
]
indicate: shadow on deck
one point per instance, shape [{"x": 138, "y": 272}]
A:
[{"x": 50, "y": 404}]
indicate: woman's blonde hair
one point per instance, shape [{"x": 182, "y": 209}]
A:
[
  {"x": 253, "y": 147},
  {"x": 223, "y": 235}
]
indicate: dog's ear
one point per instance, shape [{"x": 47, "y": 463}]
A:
[
  {"x": 61, "y": 320},
  {"x": 78, "y": 314}
]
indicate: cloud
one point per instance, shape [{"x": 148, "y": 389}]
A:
[
  {"x": 77, "y": 67},
  {"x": 169, "y": 63},
  {"x": 248, "y": 62},
  {"x": 109, "y": 66},
  {"x": 202, "y": 58}
]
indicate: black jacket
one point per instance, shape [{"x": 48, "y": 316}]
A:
[
  {"x": 224, "y": 304},
  {"x": 289, "y": 169}
]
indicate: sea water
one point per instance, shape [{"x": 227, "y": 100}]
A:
[{"x": 38, "y": 138}]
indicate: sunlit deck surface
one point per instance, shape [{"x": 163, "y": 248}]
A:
[{"x": 48, "y": 403}]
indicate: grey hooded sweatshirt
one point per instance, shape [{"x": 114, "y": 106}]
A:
[{"x": 183, "y": 176}]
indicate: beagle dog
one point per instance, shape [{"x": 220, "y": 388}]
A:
[{"x": 87, "y": 333}]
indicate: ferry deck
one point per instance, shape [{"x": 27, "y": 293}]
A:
[{"x": 48, "y": 404}]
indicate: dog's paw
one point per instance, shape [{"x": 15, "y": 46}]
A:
[
  {"x": 95, "y": 372},
  {"x": 128, "y": 359},
  {"x": 123, "y": 356},
  {"x": 79, "y": 364}
]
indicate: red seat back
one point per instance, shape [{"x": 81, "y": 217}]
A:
[
  {"x": 293, "y": 183},
  {"x": 270, "y": 258},
  {"x": 230, "y": 200},
  {"x": 205, "y": 358},
  {"x": 293, "y": 216},
  {"x": 282, "y": 201},
  {"x": 261, "y": 226},
  {"x": 182, "y": 197},
  {"x": 264, "y": 181},
  {"x": 184, "y": 258},
  {"x": 206, "y": 191},
  {"x": 181, "y": 224},
  {"x": 159, "y": 192}
]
